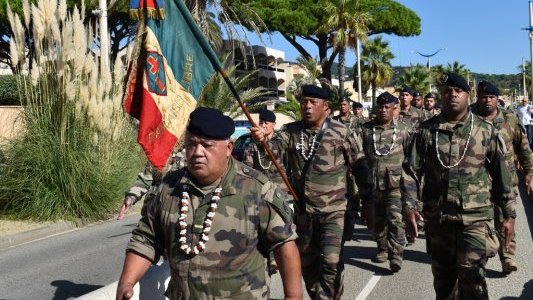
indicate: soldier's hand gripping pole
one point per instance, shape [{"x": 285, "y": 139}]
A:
[{"x": 263, "y": 142}]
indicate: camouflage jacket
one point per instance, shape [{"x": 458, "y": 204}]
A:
[
  {"x": 256, "y": 157},
  {"x": 252, "y": 219},
  {"x": 150, "y": 177},
  {"x": 412, "y": 117},
  {"x": 426, "y": 114},
  {"x": 323, "y": 185},
  {"x": 463, "y": 191},
  {"x": 354, "y": 123},
  {"x": 385, "y": 150},
  {"x": 513, "y": 141}
]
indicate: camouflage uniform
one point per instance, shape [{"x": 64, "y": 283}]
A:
[
  {"x": 457, "y": 205},
  {"x": 321, "y": 188},
  {"x": 390, "y": 183},
  {"x": 256, "y": 157},
  {"x": 252, "y": 219},
  {"x": 513, "y": 141},
  {"x": 354, "y": 123},
  {"x": 426, "y": 114},
  {"x": 412, "y": 117}
]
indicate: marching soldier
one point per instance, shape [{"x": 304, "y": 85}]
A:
[
  {"x": 457, "y": 157},
  {"x": 409, "y": 114},
  {"x": 386, "y": 142},
  {"x": 213, "y": 221},
  {"x": 418, "y": 101},
  {"x": 430, "y": 108},
  {"x": 317, "y": 153},
  {"x": 514, "y": 143}
]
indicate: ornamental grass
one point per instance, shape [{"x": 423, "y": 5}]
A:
[{"x": 77, "y": 154}]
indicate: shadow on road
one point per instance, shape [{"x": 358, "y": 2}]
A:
[
  {"x": 526, "y": 292},
  {"x": 68, "y": 289}
]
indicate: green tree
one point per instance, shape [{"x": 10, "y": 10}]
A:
[
  {"x": 376, "y": 68},
  {"x": 458, "y": 68},
  {"x": 348, "y": 22},
  {"x": 300, "y": 20},
  {"x": 417, "y": 78}
]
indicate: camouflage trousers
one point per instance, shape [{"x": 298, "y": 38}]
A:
[
  {"x": 320, "y": 245},
  {"x": 459, "y": 254},
  {"x": 389, "y": 228},
  {"x": 498, "y": 225}
]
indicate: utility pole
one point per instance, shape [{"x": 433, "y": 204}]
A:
[
  {"x": 524, "y": 77},
  {"x": 358, "y": 53},
  {"x": 104, "y": 34},
  {"x": 531, "y": 42}
]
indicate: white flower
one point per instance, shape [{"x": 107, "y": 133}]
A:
[
  {"x": 183, "y": 232},
  {"x": 214, "y": 205},
  {"x": 205, "y": 238},
  {"x": 201, "y": 244},
  {"x": 208, "y": 222},
  {"x": 184, "y": 247},
  {"x": 210, "y": 214},
  {"x": 182, "y": 239}
]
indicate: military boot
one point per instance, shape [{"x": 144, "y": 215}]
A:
[
  {"x": 395, "y": 265},
  {"x": 509, "y": 266},
  {"x": 381, "y": 256}
]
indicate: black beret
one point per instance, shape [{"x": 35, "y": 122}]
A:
[
  {"x": 314, "y": 91},
  {"x": 357, "y": 105},
  {"x": 429, "y": 95},
  {"x": 457, "y": 81},
  {"x": 488, "y": 88},
  {"x": 267, "y": 115},
  {"x": 345, "y": 99},
  {"x": 210, "y": 123},
  {"x": 416, "y": 94},
  {"x": 407, "y": 89},
  {"x": 386, "y": 98}
]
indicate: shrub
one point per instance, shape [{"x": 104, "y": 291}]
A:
[
  {"x": 77, "y": 154},
  {"x": 9, "y": 94}
]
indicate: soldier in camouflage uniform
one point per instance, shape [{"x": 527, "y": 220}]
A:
[
  {"x": 418, "y": 101},
  {"x": 148, "y": 181},
  {"x": 385, "y": 142},
  {"x": 216, "y": 249},
  {"x": 352, "y": 122},
  {"x": 458, "y": 156},
  {"x": 515, "y": 146},
  {"x": 317, "y": 153},
  {"x": 430, "y": 109},
  {"x": 409, "y": 114},
  {"x": 256, "y": 157}
]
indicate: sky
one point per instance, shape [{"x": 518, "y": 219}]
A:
[{"x": 484, "y": 35}]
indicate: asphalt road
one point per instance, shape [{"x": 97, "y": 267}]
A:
[{"x": 78, "y": 262}]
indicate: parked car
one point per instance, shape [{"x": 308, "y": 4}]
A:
[
  {"x": 241, "y": 127},
  {"x": 240, "y": 146}
]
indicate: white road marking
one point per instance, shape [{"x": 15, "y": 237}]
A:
[{"x": 368, "y": 287}]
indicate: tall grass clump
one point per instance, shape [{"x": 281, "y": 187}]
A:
[{"x": 77, "y": 154}]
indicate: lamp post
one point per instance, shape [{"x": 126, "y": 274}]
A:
[{"x": 429, "y": 56}]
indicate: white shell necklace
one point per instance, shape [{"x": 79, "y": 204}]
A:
[
  {"x": 260, "y": 161},
  {"x": 391, "y": 144},
  {"x": 184, "y": 209},
  {"x": 310, "y": 146},
  {"x": 464, "y": 151}
]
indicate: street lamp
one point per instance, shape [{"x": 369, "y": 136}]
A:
[{"x": 429, "y": 56}]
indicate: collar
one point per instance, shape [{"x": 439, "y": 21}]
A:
[
  {"x": 227, "y": 184},
  {"x": 393, "y": 124},
  {"x": 443, "y": 124}
]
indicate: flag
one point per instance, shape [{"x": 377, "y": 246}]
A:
[{"x": 171, "y": 63}]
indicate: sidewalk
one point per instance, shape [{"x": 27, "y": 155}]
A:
[{"x": 13, "y": 233}]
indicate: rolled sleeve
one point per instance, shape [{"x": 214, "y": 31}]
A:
[{"x": 144, "y": 238}]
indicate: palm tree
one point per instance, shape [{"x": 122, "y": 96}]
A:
[
  {"x": 311, "y": 66},
  {"x": 349, "y": 21},
  {"x": 416, "y": 77},
  {"x": 458, "y": 68},
  {"x": 216, "y": 93},
  {"x": 376, "y": 68}
]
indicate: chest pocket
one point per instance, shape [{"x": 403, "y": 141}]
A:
[{"x": 475, "y": 191}]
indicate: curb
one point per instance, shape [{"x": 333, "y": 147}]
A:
[
  {"x": 45, "y": 231},
  {"x": 35, "y": 234}
]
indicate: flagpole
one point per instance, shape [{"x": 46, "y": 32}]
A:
[{"x": 269, "y": 152}]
